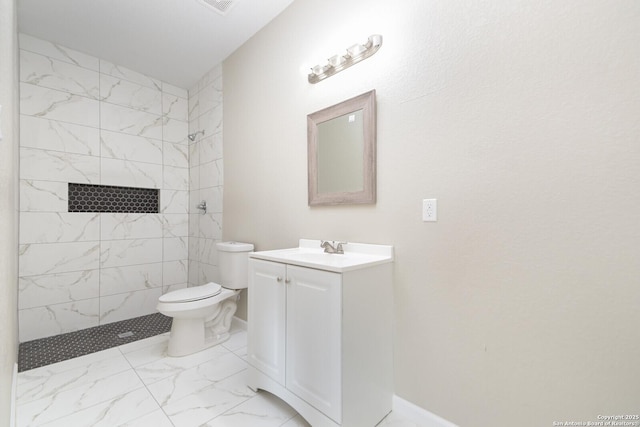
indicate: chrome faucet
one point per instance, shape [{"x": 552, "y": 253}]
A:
[{"x": 332, "y": 248}]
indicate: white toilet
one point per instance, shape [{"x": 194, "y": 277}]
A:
[{"x": 202, "y": 314}]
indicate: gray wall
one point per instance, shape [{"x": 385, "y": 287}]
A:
[
  {"x": 521, "y": 118},
  {"x": 8, "y": 203}
]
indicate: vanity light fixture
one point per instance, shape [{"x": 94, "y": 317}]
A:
[{"x": 337, "y": 63}]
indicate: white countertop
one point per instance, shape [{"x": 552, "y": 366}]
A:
[{"x": 310, "y": 254}]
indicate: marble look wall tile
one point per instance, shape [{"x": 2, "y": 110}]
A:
[
  {"x": 175, "y": 131},
  {"x": 54, "y": 74},
  {"x": 48, "y": 165},
  {"x": 175, "y": 248},
  {"x": 114, "y": 308},
  {"x": 130, "y": 174},
  {"x": 175, "y": 225},
  {"x": 114, "y": 70},
  {"x": 195, "y": 197},
  {"x": 210, "y": 226},
  {"x": 213, "y": 196},
  {"x": 43, "y": 196},
  {"x": 194, "y": 226},
  {"x": 194, "y": 154},
  {"x": 176, "y": 178},
  {"x": 211, "y": 174},
  {"x": 128, "y": 94},
  {"x": 117, "y": 253},
  {"x": 174, "y": 90},
  {"x": 194, "y": 126},
  {"x": 118, "y": 280},
  {"x": 211, "y": 148},
  {"x": 193, "y": 105},
  {"x": 214, "y": 76},
  {"x": 194, "y": 252},
  {"x": 49, "y": 258},
  {"x": 175, "y": 272},
  {"x": 40, "y": 322},
  {"x": 175, "y": 107},
  {"x": 210, "y": 98},
  {"x": 127, "y": 120},
  {"x": 57, "y": 105},
  {"x": 172, "y": 288},
  {"x": 212, "y": 120},
  {"x": 38, "y": 291},
  {"x": 194, "y": 178},
  {"x": 176, "y": 155},
  {"x": 194, "y": 270},
  {"x": 174, "y": 201},
  {"x": 207, "y": 251},
  {"x": 116, "y": 226},
  {"x": 208, "y": 273},
  {"x": 55, "y": 51},
  {"x": 59, "y": 136},
  {"x": 50, "y": 227},
  {"x": 118, "y": 145}
]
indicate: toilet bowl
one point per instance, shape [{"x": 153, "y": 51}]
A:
[{"x": 202, "y": 314}]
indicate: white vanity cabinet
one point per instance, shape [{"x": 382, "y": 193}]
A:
[{"x": 320, "y": 334}]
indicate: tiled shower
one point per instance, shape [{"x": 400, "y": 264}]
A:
[{"x": 85, "y": 120}]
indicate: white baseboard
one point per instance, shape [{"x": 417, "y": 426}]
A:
[
  {"x": 237, "y": 323},
  {"x": 14, "y": 396},
  {"x": 418, "y": 415}
]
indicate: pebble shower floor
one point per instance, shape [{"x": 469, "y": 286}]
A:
[{"x": 46, "y": 351}]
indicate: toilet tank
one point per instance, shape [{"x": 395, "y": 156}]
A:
[{"x": 233, "y": 262}]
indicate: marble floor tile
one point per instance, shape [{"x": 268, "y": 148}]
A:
[
  {"x": 168, "y": 366},
  {"x": 124, "y": 408},
  {"x": 138, "y": 385},
  {"x": 72, "y": 400},
  {"x": 46, "y": 387},
  {"x": 156, "y": 350},
  {"x": 208, "y": 403},
  {"x": 262, "y": 410},
  {"x": 195, "y": 379},
  {"x": 156, "y": 418}
]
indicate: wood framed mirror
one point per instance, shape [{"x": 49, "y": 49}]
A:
[{"x": 341, "y": 144}]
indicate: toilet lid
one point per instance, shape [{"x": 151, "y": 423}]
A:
[{"x": 192, "y": 294}]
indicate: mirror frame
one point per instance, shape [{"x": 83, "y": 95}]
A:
[{"x": 367, "y": 103}]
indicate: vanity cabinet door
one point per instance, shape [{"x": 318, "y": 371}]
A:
[
  {"x": 266, "y": 318},
  {"x": 314, "y": 338}
]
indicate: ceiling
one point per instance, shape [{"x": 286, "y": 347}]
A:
[{"x": 176, "y": 41}]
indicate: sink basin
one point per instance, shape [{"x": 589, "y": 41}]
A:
[{"x": 309, "y": 254}]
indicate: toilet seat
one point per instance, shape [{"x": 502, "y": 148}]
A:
[{"x": 194, "y": 293}]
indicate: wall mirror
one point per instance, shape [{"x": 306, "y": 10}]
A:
[{"x": 341, "y": 143}]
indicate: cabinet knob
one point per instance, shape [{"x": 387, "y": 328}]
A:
[
  {"x": 279, "y": 279},
  {"x": 287, "y": 280}
]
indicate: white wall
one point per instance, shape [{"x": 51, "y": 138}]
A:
[
  {"x": 520, "y": 305},
  {"x": 86, "y": 120},
  {"x": 8, "y": 203}
]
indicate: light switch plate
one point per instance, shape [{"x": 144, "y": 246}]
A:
[{"x": 430, "y": 210}]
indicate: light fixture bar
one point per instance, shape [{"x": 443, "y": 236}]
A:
[{"x": 337, "y": 63}]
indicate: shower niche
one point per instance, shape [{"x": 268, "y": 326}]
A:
[{"x": 108, "y": 198}]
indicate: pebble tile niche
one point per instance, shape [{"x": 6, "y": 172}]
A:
[{"x": 107, "y": 198}]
